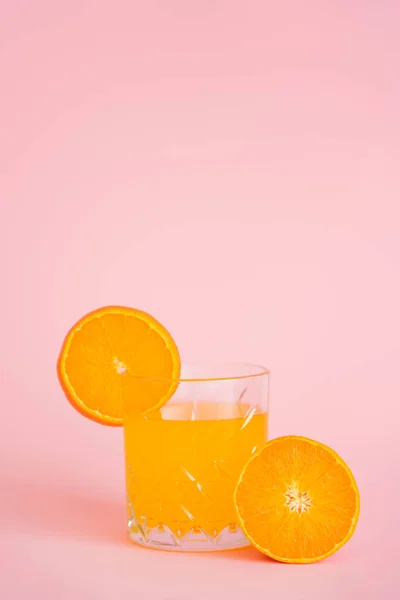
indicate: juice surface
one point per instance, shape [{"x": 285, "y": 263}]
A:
[{"x": 183, "y": 463}]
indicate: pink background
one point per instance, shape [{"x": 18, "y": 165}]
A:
[{"x": 233, "y": 168}]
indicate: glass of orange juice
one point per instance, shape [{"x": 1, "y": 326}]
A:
[{"x": 183, "y": 460}]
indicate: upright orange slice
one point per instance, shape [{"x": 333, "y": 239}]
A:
[
  {"x": 105, "y": 361},
  {"x": 297, "y": 500}
]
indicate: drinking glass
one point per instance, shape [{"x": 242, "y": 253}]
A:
[{"x": 184, "y": 459}]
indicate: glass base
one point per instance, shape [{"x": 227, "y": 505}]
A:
[{"x": 195, "y": 540}]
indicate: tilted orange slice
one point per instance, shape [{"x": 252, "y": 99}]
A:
[
  {"x": 297, "y": 500},
  {"x": 105, "y": 355}
]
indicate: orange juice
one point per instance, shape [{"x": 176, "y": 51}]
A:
[{"x": 182, "y": 465}]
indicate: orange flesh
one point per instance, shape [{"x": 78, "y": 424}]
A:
[
  {"x": 104, "y": 353},
  {"x": 297, "y": 501}
]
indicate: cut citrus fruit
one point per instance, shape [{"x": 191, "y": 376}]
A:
[
  {"x": 297, "y": 500},
  {"x": 108, "y": 358}
]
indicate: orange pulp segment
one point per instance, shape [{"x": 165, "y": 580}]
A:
[
  {"x": 108, "y": 358},
  {"x": 296, "y": 500}
]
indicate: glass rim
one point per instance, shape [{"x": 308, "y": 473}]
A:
[{"x": 258, "y": 371}]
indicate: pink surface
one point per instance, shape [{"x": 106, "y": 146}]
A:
[{"x": 232, "y": 168}]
